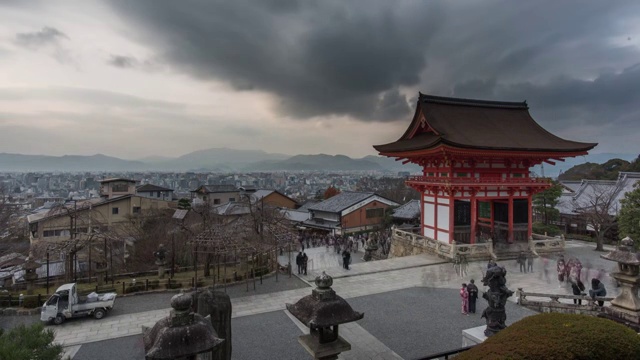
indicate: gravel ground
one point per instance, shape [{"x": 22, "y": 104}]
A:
[
  {"x": 266, "y": 336},
  {"x": 421, "y": 321},
  {"x": 130, "y": 347}
]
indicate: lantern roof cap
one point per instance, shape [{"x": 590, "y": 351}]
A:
[{"x": 323, "y": 308}]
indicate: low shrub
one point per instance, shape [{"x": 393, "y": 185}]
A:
[
  {"x": 154, "y": 284},
  {"x": 550, "y": 230},
  {"x": 31, "y": 301},
  {"x": 261, "y": 271},
  {"x": 559, "y": 336},
  {"x": 174, "y": 285},
  {"x": 132, "y": 288}
]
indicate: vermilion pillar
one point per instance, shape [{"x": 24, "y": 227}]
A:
[
  {"x": 510, "y": 236},
  {"x": 474, "y": 218},
  {"x": 529, "y": 214}
]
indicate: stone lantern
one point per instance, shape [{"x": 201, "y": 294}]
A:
[
  {"x": 628, "y": 276},
  {"x": 100, "y": 266},
  {"x": 323, "y": 311},
  {"x": 161, "y": 260},
  {"x": 370, "y": 247},
  {"x": 30, "y": 274},
  {"x": 181, "y": 335}
]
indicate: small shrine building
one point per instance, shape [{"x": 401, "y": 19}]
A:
[{"x": 475, "y": 157}]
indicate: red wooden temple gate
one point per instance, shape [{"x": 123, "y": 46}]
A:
[{"x": 476, "y": 156}]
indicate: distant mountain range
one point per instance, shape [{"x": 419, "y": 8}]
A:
[
  {"x": 216, "y": 160},
  {"x": 229, "y": 160}
]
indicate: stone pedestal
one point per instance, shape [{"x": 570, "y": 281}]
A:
[
  {"x": 628, "y": 298},
  {"x": 216, "y": 305},
  {"x": 473, "y": 336},
  {"x": 328, "y": 351},
  {"x": 161, "y": 270}
]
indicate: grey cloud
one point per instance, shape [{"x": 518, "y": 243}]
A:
[
  {"x": 44, "y": 37},
  {"x": 358, "y": 58},
  {"x": 122, "y": 61},
  {"x": 86, "y": 96},
  {"x": 319, "y": 58}
]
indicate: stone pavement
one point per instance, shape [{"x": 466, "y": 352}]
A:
[{"x": 365, "y": 279}]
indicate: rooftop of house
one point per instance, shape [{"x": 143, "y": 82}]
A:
[
  {"x": 106, "y": 181},
  {"x": 407, "y": 211},
  {"x": 151, "y": 188},
  {"x": 341, "y": 201}
]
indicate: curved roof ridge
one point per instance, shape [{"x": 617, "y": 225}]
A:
[{"x": 473, "y": 102}]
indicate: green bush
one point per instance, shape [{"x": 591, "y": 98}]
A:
[
  {"x": 261, "y": 271},
  {"x": 559, "y": 336},
  {"x": 29, "y": 342},
  {"x": 132, "y": 288},
  {"x": 154, "y": 284},
  {"x": 174, "y": 285},
  {"x": 550, "y": 230},
  {"x": 31, "y": 301}
]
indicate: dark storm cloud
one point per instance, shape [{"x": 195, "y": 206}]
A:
[
  {"x": 319, "y": 58},
  {"x": 44, "y": 37},
  {"x": 323, "y": 58}
]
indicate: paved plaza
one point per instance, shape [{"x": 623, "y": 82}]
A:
[{"x": 411, "y": 306}]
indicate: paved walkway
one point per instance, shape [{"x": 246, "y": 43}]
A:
[{"x": 364, "y": 279}]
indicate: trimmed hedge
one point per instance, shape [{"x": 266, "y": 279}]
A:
[
  {"x": 550, "y": 230},
  {"x": 559, "y": 336}
]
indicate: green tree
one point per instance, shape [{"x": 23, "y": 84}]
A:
[
  {"x": 29, "y": 343},
  {"x": 184, "y": 204},
  {"x": 544, "y": 203},
  {"x": 629, "y": 217}
]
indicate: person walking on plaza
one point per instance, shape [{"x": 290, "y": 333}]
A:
[
  {"x": 491, "y": 264},
  {"x": 522, "y": 259},
  {"x": 597, "y": 290},
  {"x": 346, "y": 258},
  {"x": 464, "y": 294},
  {"x": 472, "y": 289},
  {"x": 577, "y": 287},
  {"x": 305, "y": 262},
  {"x": 299, "y": 262},
  {"x": 530, "y": 261}
]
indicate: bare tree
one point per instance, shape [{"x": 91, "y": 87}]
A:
[
  {"x": 85, "y": 227},
  {"x": 13, "y": 224},
  {"x": 597, "y": 205},
  {"x": 144, "y": 232}
]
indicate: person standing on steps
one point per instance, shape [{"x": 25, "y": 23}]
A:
[
  {"x": 305, "y": 262},
  {"x": 472, "y": 289},
  {"x": 299, "y": 262}
]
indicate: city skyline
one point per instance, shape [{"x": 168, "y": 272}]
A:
[{"x": 139, "y": 79}]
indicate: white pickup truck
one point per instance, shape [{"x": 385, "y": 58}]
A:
[{"x": 66, "y": 303}]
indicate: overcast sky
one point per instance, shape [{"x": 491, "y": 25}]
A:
[{"x": 149, "y": 77}]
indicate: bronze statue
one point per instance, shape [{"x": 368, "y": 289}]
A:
[{"x": 497, "y": 298}]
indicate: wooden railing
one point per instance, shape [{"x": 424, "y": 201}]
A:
[{"x": 469, "y": 180}]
